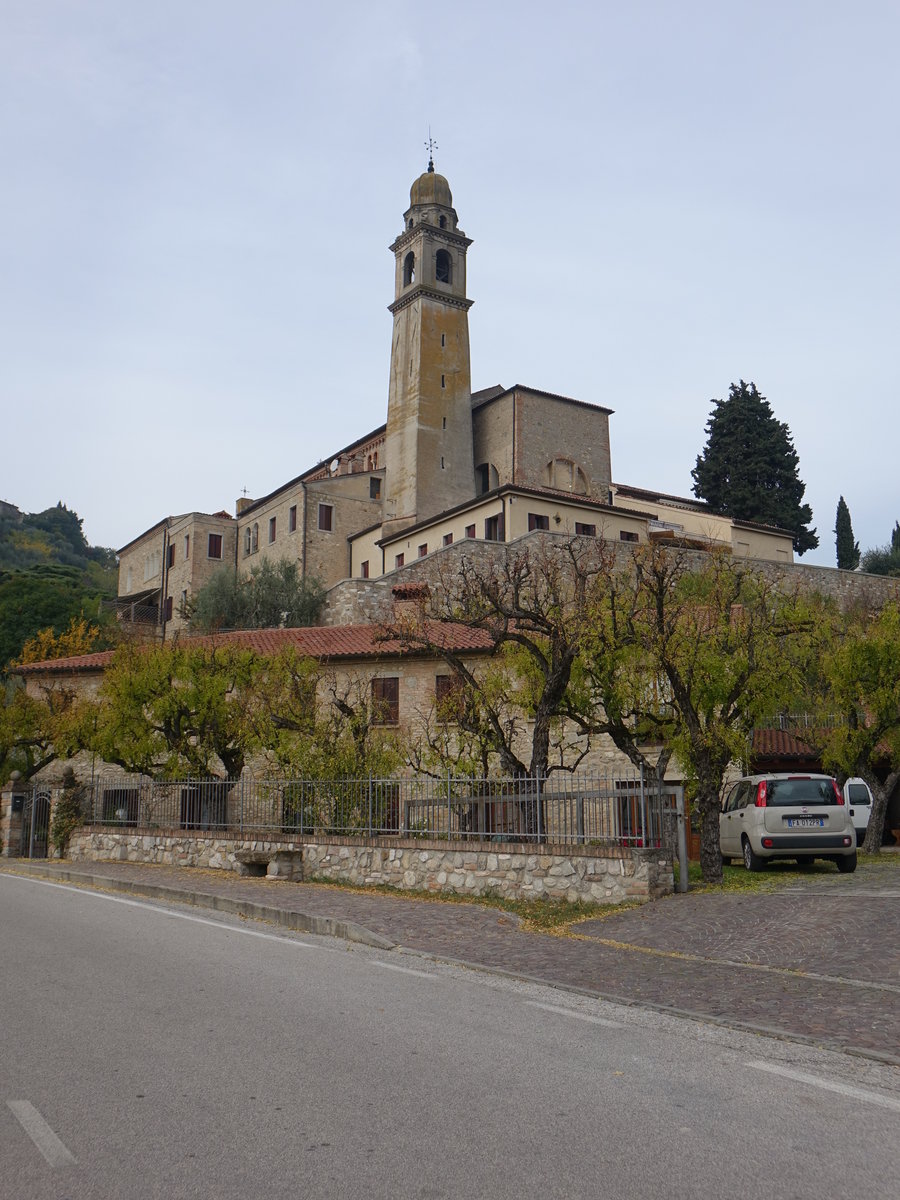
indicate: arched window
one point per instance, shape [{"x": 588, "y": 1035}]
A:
[
  {"x": 254, "y": 541},
  {"x": 247, "y": 540},
  {"x": 442, "y": 221},
  {"x": 486, "y": 478},
  {"x": 563, "y": 475},
  {"x": 443, "y": 267},
  {"x": 409, "y": 269}
]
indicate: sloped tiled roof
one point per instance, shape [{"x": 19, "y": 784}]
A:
[
  {"x": 779, "y": 743},
  {"x": 319, "y": 641}
]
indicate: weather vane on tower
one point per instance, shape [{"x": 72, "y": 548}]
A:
[{"x": 431, "y": 145}]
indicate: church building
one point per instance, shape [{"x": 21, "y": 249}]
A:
[{"x": 449, "y": 464}]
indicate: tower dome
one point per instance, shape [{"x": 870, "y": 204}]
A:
[{"x": 431, "y": 188}]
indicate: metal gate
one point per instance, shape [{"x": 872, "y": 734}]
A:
[{"x": 35, "y": 837}]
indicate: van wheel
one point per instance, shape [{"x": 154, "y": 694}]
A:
[
  {"x": 752, "y": 860},
  {"x": 846, "y": 864}
]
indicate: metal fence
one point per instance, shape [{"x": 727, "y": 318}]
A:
[{"x": 616, "y": 812}]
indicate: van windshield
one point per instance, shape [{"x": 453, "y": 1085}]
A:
[{"x": 800, "y": 791}]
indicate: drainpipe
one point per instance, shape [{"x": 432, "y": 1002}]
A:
[
  {"x": 515, "y": 406},
  {"x": 303, "y": 540},
  {"x": 164, "y": 576}
]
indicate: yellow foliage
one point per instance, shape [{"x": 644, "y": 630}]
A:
[{"x": 79, "y": 638}]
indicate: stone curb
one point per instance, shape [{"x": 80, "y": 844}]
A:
[
  {"x": 300, "y": 922},
  {"x": 671, "y": 1010}
]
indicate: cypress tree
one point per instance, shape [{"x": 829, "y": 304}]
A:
[
  {"x": 847, "y": 549},
  {"x": 748, "y": 468}
]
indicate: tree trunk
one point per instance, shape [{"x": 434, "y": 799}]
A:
[
  {"x": 709, "y": 807},
  {"x": 880, "y": 796}
]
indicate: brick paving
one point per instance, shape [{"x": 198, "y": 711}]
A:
[{"x": 818, "y": 960}]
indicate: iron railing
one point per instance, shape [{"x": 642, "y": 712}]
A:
[{"x": 616, "y": 812}]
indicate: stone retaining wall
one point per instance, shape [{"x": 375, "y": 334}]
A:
[{"x": 517, "y": 873}]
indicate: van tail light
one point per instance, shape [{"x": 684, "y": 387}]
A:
[
  {"x": 761, "y": 794},
  {"x": 838, "y": 794}
]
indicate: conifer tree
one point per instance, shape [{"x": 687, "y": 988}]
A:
[
  {"x": 748, "y": 468},
  {"x": 847, "y": 548}
]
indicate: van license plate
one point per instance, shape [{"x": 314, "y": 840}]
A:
[{"x": 805, "y": 822}]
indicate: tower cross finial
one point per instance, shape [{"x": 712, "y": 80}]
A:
[{"x": 431, "y": 145}]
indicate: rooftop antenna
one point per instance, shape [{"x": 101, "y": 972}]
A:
[{"x": 431, "y": 145}]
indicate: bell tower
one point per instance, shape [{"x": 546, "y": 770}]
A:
[{"x": 428, "y": 450}]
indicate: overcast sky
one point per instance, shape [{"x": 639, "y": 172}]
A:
[{"x": 199, "y": 196}]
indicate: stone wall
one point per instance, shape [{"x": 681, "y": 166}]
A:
[
  {"x": 516, "y": 873},
  {"x": 368, "y": 601},
  {"x": 174, "y": 850}
]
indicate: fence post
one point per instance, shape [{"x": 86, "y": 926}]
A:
[
  {"x": 370, "y": 804},
  {"x": 540, "y": 806},
  {"x": 449, "y": 805},
  {"x": 681, "y": 822},
  {"x": 644, "y": 838}
]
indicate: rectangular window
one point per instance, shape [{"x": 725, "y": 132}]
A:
[
  {"x": 443, "y": 381},
  {"x": 470, "y": 531},
  {"x": 292, "y": 519},
  {"x": 374, "y": 488},
  {"x": 583, "y": 530},
  {"x": 443, "y": 342},
  {"x": 538, "y": 521},
  {"x": 399, "y": 560},
  {"x": 364, "y": 570},
  {"x": 627, "y": 535},
  {"x": 187, "y": 545},
  {"x": 448, "y": 539},
  {"x": 386, "y": 701},
  {"x": 326, "y": 512},
  {"x": 448, "y": 698},
  {"x": 170, "y": 555},
  {"x": 493, "y": 528},
  {"x": 183, "y": 605},
  {"x": 272, "y": 521},
  {"x": 214, "y": 549},
  {"x": 423, "y": 550},
  {"x": 168, "y": 609}
]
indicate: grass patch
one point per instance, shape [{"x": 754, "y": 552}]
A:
[
  {"x": 535, "y": 916},
  {"x": 778, "y": 873}
]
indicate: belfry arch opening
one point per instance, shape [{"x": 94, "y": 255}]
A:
[
  {"x": 409, "y": 269},
  {"x": 443, "y": 267}
]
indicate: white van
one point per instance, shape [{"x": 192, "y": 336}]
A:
[{"x": 859, "y": 798}]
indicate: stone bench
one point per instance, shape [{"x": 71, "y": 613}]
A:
[{"x": 272, "y": 864}]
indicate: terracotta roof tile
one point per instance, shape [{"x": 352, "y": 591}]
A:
[
  {"x": 779, "y": 743},
  {"x": 319, "y": 641}
]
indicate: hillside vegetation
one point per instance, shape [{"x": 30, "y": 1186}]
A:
[{"x": 49, "y": 576}]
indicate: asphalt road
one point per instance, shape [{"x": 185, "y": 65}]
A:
[{"x": 154, "y": 1052}]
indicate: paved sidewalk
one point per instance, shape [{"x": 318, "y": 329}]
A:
[{"x": 818, "y": 961}]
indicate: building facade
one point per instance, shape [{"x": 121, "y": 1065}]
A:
[{"x": 447, "y": 465}]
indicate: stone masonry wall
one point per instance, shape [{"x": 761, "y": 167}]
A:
[
  {"x": 520, "y": 873},
  {"x": 367, "y": 601}
]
